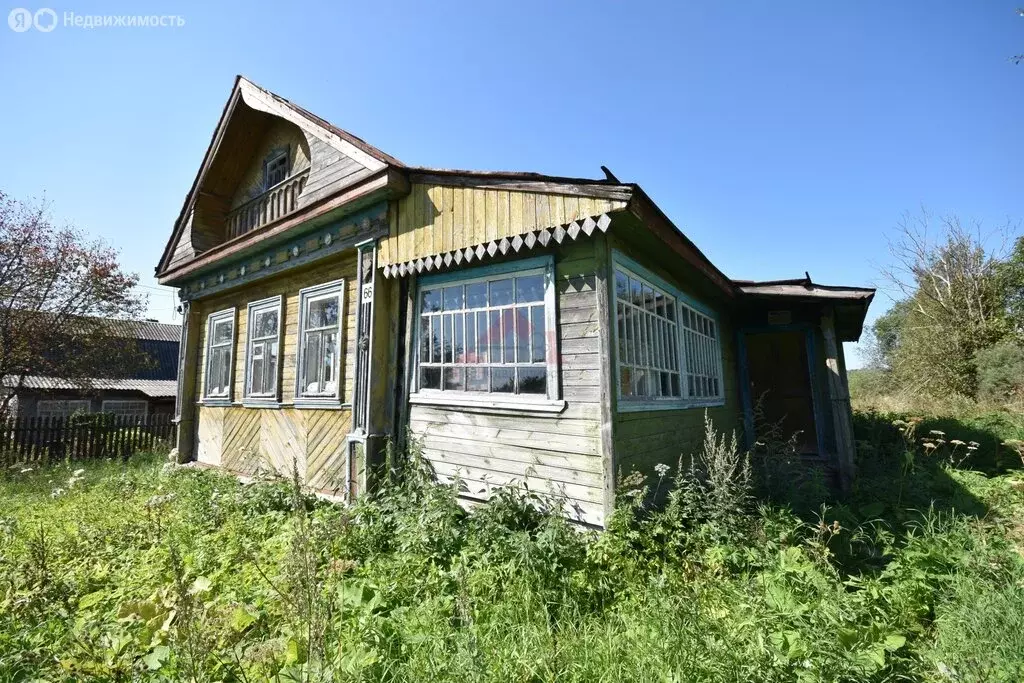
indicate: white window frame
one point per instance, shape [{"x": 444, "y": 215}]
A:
[
  {"x": 105, "y": 409},
  {"x": 211, "y": 320},
  {"x": 637, "y": 404},
  {"x": 272, "y": 159},
  {"x": 661, "y": 353},
  {"x": 546, "y": 402},
  {"x": 322, "y": 291},
  {"x": 267, "y": 397},
  {"x": 80, "y": 402}
]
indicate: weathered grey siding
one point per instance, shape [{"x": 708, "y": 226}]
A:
[
  {"x": 330, "y": 171},
  {"x": 552, "y": 453}
]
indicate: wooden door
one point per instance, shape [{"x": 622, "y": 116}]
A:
[{"x": 779, "y": 377}]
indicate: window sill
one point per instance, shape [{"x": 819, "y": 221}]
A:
[
  {"x": 632, "y": 406},
  {"x": 216, "y": 402},
  {"x": 261, "y": 403},
  {"x": 320, "y": 404},
  {"x": 538, "y": 405}
]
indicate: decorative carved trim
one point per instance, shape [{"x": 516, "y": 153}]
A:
[{"x": 480, "y": 252}]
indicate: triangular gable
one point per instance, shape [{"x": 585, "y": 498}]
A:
[{"x": 258, "y": 99}]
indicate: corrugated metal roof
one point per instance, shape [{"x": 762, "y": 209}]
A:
[
  {"x": 154, "y": 388},
  {"x": 145, "y": 329}
]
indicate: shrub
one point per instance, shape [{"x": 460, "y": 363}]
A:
[{"x": 1001, "y": 372}]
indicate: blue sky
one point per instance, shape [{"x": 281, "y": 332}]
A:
[{"x": 780, "y": 136}]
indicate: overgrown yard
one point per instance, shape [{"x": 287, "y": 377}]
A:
[{"x": 143, "y": 571}]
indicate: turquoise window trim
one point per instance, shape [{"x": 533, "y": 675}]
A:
[
  {"x": 490, "y": 270},
  {"x": 630, "y": 264},
  {"x": 634, "y": 405}
]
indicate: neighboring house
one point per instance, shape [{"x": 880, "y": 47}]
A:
[
  {"x": 516, "y": 325},
  {"x": 147, "y": 391}
]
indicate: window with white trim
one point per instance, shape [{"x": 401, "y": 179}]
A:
[
  {"x": 126, "y": 408},
  {"x": 220, "y": 343},
  {"x": 668, "y": 352},
  {"x": 648, "y": 338},
  {"x": 262, "y": 349},
  {"x": 275, "y": 168},
  {"x": 51, "y": 408},
  {"x": 321, "y": 310},
  {"x": 703, "y": 354},
  {"x": 489, "y": 336}
]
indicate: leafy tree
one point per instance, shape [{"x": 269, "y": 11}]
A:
[
  {"x": 1011, "y": 273},
  {"x": 885, "y": 335},
  {"x": 57, "y": 290},
  {"x": 955, "y": 302}
]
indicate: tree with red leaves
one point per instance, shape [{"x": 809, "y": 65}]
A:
[{"x": 58, "y": 290}]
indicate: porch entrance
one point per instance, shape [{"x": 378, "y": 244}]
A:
[{"x": 779, "y": 377}]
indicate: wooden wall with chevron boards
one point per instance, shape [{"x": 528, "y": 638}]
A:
[
  {"x": 260, "y": 441},
  {"x": 248, "y": 440},
  {"x": 436, "y": 218}
]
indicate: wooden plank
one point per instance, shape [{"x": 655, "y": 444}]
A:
[
  {"x": 448, "y": 453},
  {"x": 447, "y": 217},
  {"x": 461, "y": 231},
  {"x": 515, "y": 212},
  {"x": 842, "y": 416},
  {"x": 480, "y": 233},
  {"x": 431, "y": 415},
  {"x": 569, "y": 443},
  {"x": 589, "y": 494},
  {"x": 503, "y": 228},
  {"x": 491, "y": 215},
  {"x": 605, "y": 376}
]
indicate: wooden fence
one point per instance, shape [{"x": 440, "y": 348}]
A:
[{"x": 81, "y": 437}]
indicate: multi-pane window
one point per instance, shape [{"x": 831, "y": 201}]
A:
[
  {"x": 126, "y": 408},
  {"x": 263, "y": 332},
  {"x": 648, "y": 339},
  {"x": 275, "y": 169},
  {"x": 668, "y": 351},
  {"x": 702, "y": 350},
  {"x": 320, "y": 340},
  {"x": 487, "y": 335},
  {"x": 220, "y": 342},
  {"x": 61, "y": 408}
]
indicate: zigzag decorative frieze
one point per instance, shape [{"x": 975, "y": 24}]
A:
[{"x": 480, "y": 252}]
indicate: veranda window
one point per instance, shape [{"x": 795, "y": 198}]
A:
[
  {"x": 489, "y": 335},
  {"x": 262, "y": 349},
  {"x": 321, "y": 313},
  {"x": 126, "y": 408},
  {"x": 50, "y": 408},
  {"x": 669, "y": 353},
  {"x": 703, "y": 355},
  {"x": 220, "y": 342},
  {"x": 648, "y": 338}
]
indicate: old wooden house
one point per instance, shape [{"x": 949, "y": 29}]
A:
[
  {"x": 520, "y": 327},
  {"x": 146, "y": 387}
]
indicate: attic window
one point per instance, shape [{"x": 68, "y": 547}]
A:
[{"x": 275, "y": 168}]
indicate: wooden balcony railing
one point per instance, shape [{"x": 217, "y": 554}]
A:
[{"x": 277, "y": 202}]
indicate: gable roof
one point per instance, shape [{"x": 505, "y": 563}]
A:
[{"x": 262, "y": 100}]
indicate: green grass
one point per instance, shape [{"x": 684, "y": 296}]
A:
[{"x": 141, "y": 571}]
